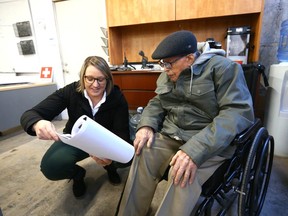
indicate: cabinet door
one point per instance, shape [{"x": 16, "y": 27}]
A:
[
  {"x": 129, "y": 12},
  {"x": 137, "y": 87},
  {"x": 192, "y": 9}
]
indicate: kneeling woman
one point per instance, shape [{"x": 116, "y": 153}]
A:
[{"x": 93, "y": 95}]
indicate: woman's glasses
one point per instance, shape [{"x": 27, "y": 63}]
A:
[{"x": 90, "y": 80}]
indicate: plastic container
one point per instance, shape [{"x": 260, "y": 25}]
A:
[
  {"x": 276, "y": 112},
  {"x": 134, "y": 120},
  {"x": 283, "y": 112},
  {"x": 282, "y": 54}
]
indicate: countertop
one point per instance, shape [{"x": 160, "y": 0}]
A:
[{"x": 8, "y": 87}]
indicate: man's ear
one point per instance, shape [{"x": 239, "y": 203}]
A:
[{"x": 190, "y": 58}]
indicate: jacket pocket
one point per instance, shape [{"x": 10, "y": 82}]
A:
[
  {"x": 203, "y": 98},
  {"x": 202, "y": 89}
]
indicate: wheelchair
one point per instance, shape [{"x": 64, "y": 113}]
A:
[{"x": 246, "y": 175}]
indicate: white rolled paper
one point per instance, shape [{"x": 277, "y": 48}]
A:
[{"x": 96, "y": 140}]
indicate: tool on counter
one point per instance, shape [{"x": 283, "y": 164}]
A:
[
  {"x": 126, "y": 64},
  {"x": 144, "y": 59}
]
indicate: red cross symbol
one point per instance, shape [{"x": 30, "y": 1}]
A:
[{"x": 46, "y": 72}]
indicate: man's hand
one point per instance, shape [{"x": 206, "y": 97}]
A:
[
  {"x": 101, "y": 161},
  {"x": 143, "y": 135},
  {"x": 183, "y": 169},
  {"x": 45, "y": 130}
]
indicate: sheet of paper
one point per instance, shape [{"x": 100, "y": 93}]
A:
[{"x": 96, "y": 140}]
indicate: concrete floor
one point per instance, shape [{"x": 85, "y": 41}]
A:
[{"x": 25, "y": 191}]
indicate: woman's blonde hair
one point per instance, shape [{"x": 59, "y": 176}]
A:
[{"x": 100, "y": 64}]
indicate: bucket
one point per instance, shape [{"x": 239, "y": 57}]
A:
[
  {"x": 276, "y": 113},
  {"x": 282, "y": 54}
]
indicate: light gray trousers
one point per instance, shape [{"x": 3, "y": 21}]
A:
[{"x": 146, "y": 171}]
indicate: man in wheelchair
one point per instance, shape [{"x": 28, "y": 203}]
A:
[{"x": 202, "y": 103}]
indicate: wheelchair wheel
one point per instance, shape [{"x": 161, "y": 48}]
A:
[{"x": 256, "y": 174}]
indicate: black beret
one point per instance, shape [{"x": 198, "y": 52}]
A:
[{"x": 178, "y": 43}]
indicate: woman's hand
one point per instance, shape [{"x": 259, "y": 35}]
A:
[
  {"x": 45, "y": 130},
  {"x": 101, "y": 161},
  {"x": 183, "y": 169},
  {"x": 144, "y": 135}
]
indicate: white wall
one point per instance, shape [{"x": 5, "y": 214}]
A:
[
  {"x": 80, "y": 38},
  {"x": 11, "y": 12},
  {"x": 43, "y": 18},
  {"x": 79, "y": 28},
  {"x": 89, "y": 15},
  {"x": 40, "y": 14}
]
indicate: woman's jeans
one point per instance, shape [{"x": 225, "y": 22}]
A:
[{"x": 59, "y": 162}]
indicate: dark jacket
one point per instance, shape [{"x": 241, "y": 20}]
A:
[
  {"x": 113, "y": 114},
  {"x": 206, "y": 108}
]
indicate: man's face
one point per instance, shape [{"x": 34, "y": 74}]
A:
[{"x": 173, "y": 66}]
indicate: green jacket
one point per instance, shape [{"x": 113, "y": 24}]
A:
[{"x": 205, "y": 109}]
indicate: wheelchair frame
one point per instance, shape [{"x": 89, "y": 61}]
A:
[{"x": 246, "y": 175}]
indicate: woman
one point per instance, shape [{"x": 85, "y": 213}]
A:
[{"x": 93, "y": 95}]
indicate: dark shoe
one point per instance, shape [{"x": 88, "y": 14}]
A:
[
  {"x": 79, "y": 186},
  {"x": 113, "y": 176}
]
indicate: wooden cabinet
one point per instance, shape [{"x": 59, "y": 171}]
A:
[
  {"x": 137, "y": 86},
  {"x": 129, "y": 12},
  {"x": 135, "y": 25},
  {"x": 194, "y": 9}
]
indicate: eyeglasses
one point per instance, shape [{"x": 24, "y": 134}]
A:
[
  {"x": 168, "y": 65},
  {"x": 90, "y": 80}
]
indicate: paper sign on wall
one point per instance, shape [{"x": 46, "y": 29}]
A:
[{"x": 46, "y": 74}]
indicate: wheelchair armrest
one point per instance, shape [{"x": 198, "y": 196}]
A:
[{"x": 247, "y": 133}]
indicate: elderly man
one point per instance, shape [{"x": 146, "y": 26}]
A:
[{"x": 202, "y": 102}]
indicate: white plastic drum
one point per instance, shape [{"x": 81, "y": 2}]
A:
[{"x": 276, "y": 115}]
